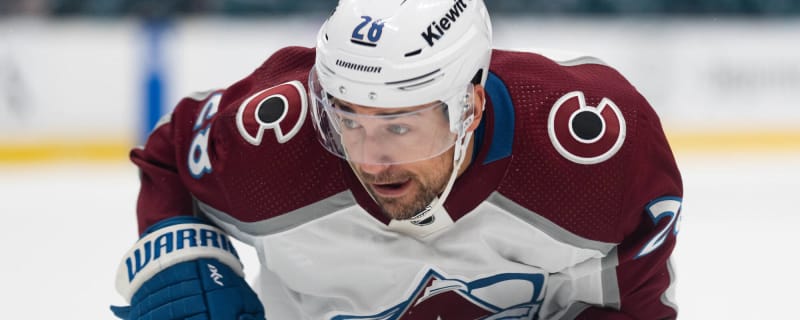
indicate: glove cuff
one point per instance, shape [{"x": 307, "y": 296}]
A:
[{"x": 169, "y": 245}]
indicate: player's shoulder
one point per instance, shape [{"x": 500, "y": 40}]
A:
[
  {"x": 576, "y": 137},
  {"x": 555, "y": 79},
  {"x": 586, "y": 109},
  {"x": 271, "y": 99},
  {"x": 243, "y": 146}
]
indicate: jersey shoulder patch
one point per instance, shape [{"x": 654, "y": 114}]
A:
[
  {"x": 585, "y": 134},
  {"x": 281, "y": 108}
]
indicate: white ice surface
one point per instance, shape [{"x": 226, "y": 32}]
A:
[{"x": 65, "y": 227}]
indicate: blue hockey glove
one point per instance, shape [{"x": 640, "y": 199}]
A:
[{"x": 183, "y": 268}]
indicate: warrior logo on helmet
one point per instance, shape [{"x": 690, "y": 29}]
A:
[{"x": 585, "y": 134}]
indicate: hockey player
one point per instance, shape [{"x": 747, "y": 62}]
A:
[{"x": 393, "y": 172}]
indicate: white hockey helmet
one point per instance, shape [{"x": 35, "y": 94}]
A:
[{"x": 396, "y": 54}]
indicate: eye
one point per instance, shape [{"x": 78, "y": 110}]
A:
[
  {"x": 398, "y": 129},
  {"x": 350, "y": 123}
]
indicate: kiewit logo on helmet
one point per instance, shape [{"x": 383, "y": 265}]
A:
[{"x": 439, "y": 27}]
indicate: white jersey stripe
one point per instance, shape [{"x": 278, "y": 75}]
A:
[{"x": 245, "y": 231}]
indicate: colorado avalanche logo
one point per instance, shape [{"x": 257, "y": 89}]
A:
[
  {"x": 507, "y": 296},
  {"x": 281, "y": 108},
  {"x": 586, "y": 134}
]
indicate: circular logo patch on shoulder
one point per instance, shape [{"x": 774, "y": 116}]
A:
[
  {"x": 585, "y": 134},
  {"x": 281, "y": 109}
]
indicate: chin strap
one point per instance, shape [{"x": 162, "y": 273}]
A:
[
  {"x": 434, "y": 217},
  {"x": 458, "y": 159}
]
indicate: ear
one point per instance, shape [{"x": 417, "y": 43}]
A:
[{"x": 479, "y": 98}]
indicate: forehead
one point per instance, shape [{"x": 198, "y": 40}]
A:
[{"x": 355, "y": 108}]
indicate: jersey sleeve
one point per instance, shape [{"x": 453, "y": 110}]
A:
[
  {"x": 643, "y": 277},
  {"x": 591, "y": 160},
  {"x": 162, "y": 193}
]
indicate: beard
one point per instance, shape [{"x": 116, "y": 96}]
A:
[{"x": 408, "y": 206}]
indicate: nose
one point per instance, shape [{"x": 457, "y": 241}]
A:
[
  {"x": 373, "y": 168},
  {"x": 374, "y": 155}
]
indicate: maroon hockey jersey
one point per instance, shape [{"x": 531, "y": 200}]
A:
[{"x": 573, "y": 180}]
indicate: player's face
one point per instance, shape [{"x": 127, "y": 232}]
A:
[{"x": 401, "y": 189}]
